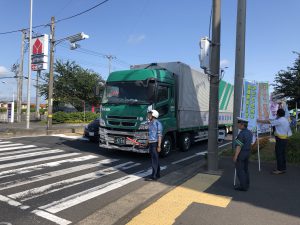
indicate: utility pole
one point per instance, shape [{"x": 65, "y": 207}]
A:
[
  {"x": 239, "y": 64},
  {"x": 212, "y": 154},
  {"x": 109, "y": 57},
  {"x": 37, "y": 97},
  {"x": 50, "y": 94},
  {"x": 29, "y": 69},
  {"x": 20, "y": 80}
]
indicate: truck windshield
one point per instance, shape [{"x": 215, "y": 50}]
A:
[{"x": 130, "y": 92}]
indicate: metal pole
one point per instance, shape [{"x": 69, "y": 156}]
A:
[
  {"x": 212, "y": 153},
  {"x": 29, "y": 69},
  {"x": 20, "y": 80},
  {"x": 239, "y": 63},
  {"x": 50, "y": 94},
  {"x": 296, "y": 115},
  {"x": 37, "y": 97}
]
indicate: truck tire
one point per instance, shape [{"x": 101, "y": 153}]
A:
[
  {"x": 185, "y": 142},
  {"x": 166, "y": 146}
]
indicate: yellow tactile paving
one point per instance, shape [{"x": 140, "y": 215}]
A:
[{"x": 165, "y": 210}]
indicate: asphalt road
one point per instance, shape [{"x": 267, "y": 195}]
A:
[{"x": 56, "y": 180}]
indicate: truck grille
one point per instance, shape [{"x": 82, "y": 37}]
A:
[
  {"x": 118, "y": 123},
  {"x": 122, "y": 117}
]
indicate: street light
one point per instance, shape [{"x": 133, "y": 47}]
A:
[{"x": 72, "y": 39}]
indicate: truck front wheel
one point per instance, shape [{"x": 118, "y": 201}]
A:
[
  {"x": 185, "y": 142},
  {"x": 166, "y": 146}
]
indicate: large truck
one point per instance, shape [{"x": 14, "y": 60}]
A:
[{"x": 179, "y": 93}]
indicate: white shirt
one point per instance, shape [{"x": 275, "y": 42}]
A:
[{"x": 282, "y": 126}]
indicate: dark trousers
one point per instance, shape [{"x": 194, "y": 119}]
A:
[
  {"x": 280, "y": 153},
  {"x": 242, "y": 171},
  {"x": 154, "y": 160}
]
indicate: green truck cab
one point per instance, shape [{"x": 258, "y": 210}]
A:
[{"x": 180, "y": 95}]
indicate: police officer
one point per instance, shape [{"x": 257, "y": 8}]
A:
[
  {"x": 242, "y": 153},
  {"x": 154, "y": 143}
]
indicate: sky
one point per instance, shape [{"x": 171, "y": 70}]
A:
[{"x": 145, "y": 31}]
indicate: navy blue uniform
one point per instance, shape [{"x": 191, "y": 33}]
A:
[{"x": 244, "y": 139}]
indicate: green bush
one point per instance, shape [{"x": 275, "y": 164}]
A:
[
  {"x": 3, "y": 110},
  {"x": 293, "y": 148},
  {"x": 74, "y": 117}
]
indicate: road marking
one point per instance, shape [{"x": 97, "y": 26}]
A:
[
  {"x": 29, "y": 169},
  {"x": 91, "y": 193},
  {"x": 5, "y": 142},
  {"x": 51, "y": 217},
  {"x": 52, "y": 174},
  {"x": 225, "y": 144},
  {"x": 180, "y": 198},
  {"x": 30, "y": 155},
  {"x": 74, "y": 137},
  {"x": 37, "y": 160},
  {"x": 13, "y": 202},
  {"x": 57, "y": 186},
  {"x": 23, "y": 151},
  {"x": 189, "y": 157},
  {"x": 15, "y": 148},
  {"x": 10, "y": 145}
]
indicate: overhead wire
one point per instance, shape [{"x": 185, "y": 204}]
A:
[{"x": 59, "y": 20}]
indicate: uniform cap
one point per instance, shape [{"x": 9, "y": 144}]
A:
[
  {"x": 154, "y": 113},
  {"x": 242, "y": 120}
]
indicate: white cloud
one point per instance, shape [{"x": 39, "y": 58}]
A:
[
  {"x": 136, "y": 39},
  {"x": 224, "y": 63},
  {"x": 3, "y": 70}
]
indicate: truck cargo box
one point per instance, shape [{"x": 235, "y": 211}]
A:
[{"x": 193, "y": 95}]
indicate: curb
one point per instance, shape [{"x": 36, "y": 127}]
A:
[
  {"x": 34, "y": 132},
  {"x": 128, "y": 206}
]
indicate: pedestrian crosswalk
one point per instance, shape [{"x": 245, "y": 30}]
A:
[{"x": 45, "y": 182}]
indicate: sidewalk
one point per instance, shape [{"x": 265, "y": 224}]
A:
[
  {"x": 37, "y": 128},
  {"x": 210, "y": 200}
]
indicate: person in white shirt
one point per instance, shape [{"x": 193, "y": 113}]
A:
[{"x": 282, "y": 132}]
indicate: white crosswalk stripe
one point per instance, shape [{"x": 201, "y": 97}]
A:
[
  {"x": 23, "y": 151},
  {"x": 5, "y": 142},
  {"x": 40, "y": 171},
  {"x": 15, "y": 148},
  {"x": 29, "y": 169},
  {"x": 57, "y": 186},
  {"x": 37, "y": 160},
  {"x": 30, "y": 155},
  {"x": 10, "y": 145},
  {"x": 53, "y": 174}
]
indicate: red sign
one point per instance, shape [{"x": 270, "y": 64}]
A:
[{"x": 37, "y": 47}]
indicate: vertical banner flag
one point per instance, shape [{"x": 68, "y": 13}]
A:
[
  {"x": 263, "y": 106},
  {"x": 250, "y": 104}
]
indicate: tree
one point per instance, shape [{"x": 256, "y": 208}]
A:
[
  {"x": 72, "y": 85},
  {"x": 287, "y": 83}
]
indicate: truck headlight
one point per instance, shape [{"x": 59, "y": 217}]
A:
[
  {"x": 102, "y": 122},
  {"x": 144, "y": 126}
]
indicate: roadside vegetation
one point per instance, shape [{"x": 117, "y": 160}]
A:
[{"x": 74, "y": 117}]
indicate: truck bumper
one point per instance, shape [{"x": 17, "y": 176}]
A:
[{"x": 107, "y": 140}]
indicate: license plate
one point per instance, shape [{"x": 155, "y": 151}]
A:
[
  {"x": 91, "y": 134},
  {"x": 120, "y": 141}
]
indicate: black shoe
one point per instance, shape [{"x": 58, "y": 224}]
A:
[
  {"x": 150, "y": 178},
  {"x": 240, "y": 189}
]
